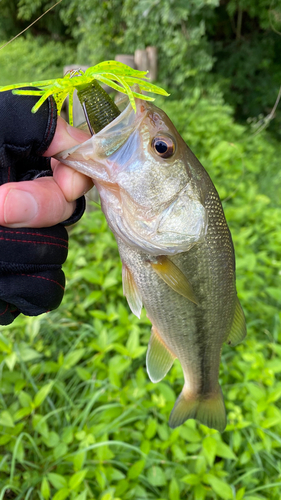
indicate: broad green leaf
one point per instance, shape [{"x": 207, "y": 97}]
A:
[
  {"x": 45, "y": 489},
  {"x": 83, "y": 373},
  {"x": 136, "y": 469},
  {"x": 60, "y": 450},
  {"x": 199, "y": 492},
  {"x": 41, "y": 395},
  {"x": 25, "y": 399},
  {"x": 221, "y": 488},
  {"x": 6, "y": 419},
  {"x": 209, "y": 449},
  {"x": 61, "y": 494},
  {"x": 82, "y": 495},
  {"x": 40, "y": 425},
  {"x": 27, "y": 353},
  {"x": 52, "y": 439},
  {"x": 5, "y": 345},
  {"x": 151, "y": 428},
  {"x": 23, "y": 412},
  {"x": 156, "y": 476},
  {"x": 191, "y": 435},
  {"x": 57, "y": 480},
  {"x": 77, "y": 479},
  {"x": 67, "y": 435},
  {"x": 72, "y": 358},
  {"x": 191, "y": 479},
  {"x": 174, "y": 491},
  {"x": 240, "y": 494},
  {"x": 79, "y": 460},
  {"x": 224, "y": 451},
  {"x": 11, "y": 360}
]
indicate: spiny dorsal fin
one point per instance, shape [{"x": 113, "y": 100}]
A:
[
  {"x": 238, "y": 328},
  {"x": 131, "y": 292},
  {"x": 159, "y": 358},
  {"x": 174, "y": 277}
]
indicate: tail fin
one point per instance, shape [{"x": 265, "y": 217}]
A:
[{"x": 209, "y": 411}]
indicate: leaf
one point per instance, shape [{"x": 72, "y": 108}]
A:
[
  {"x": 221, "y": 488},
  {"x": 82, "y": 495},
  {"x": 224, "y": 451},
  {"x": 23, "y": 412},
  {"x": 174, "y": 491},
  {"x": 240, "y": 494},
  {"x": 151, "y": 428},
  {"x": 136, "y": 469},
  {"x": 199, "y": 492},
  {"x": 209, "y": 449},
  {"x": 51, "y": 440},
  {"x": 72, "y": 358},
  {"x": 11, "y": 360},
  {"x": 6, "y": 419},
  {"x": 61, "y": 494},
  {"x": 27, "y": 353},
  {"x": 191, "y": 479},
  {"x": 45, "y": 489},
  {"x": 42, "y": 394},
  {"x": 77, "y": 479},
  {"x": 156, "y": 476},
  {"x": 57, "y": 480},
  {"x": 25, "y": 399}
]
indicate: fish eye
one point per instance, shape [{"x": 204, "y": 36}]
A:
[{"x": 164, "y": 146}]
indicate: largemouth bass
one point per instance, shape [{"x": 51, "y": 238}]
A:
[{"x": 176, "y": 250}]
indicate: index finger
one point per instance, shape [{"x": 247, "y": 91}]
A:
[{"x": 73, "y": 184}]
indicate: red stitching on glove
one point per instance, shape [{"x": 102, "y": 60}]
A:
[
  {"x": 34, "y": 242},
  {"x": 33, "y": 234},
  {"x": 42, "y": 278}
]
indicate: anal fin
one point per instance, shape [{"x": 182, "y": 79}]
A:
[
  {"x": 131, "y": 292},
  {"x": 159, "y": 358},
  {"x": 238, "y": 328},
  {"x": 174, "y": 277},
  {"x": 209, "y": 411}
]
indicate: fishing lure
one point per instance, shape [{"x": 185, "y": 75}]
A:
[{"x": 115, "y": 74}]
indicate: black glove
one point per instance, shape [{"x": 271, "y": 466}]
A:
[{"x": 31, "y": 278}]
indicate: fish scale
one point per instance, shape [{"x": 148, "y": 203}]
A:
[{"x": 176, "y": 250}]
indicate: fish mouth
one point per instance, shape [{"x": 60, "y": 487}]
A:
[{"x": 107, "y": 141}]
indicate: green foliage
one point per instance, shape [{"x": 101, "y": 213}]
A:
[
  {"x": 28, "y": 59},
  {"x": 108, "y": 28},
  {"x": 79, "y": 418},
  {"x": 246, "y": 41}
]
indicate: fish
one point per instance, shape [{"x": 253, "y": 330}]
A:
[{"x": 176, "y": 250}]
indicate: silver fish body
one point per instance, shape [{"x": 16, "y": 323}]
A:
[{"x": 176, "y": 249}]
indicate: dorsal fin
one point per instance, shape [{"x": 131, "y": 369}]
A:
[{"x": 174, "y": 277}]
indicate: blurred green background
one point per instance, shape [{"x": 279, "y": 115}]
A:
[{"x": 79, "y": 418}]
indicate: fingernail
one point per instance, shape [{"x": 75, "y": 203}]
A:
[
  {"x": 19, "y": 207},
  {"x": 78, "y": 135}
]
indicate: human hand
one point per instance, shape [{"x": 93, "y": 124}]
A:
[
  {"x": 46, "y": 201},
  {"x": 33, "y": 242}
]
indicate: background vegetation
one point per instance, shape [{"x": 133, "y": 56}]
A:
[{"x": 79, "y": 418}]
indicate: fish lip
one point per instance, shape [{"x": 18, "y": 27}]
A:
[{"x": 131, "y": 122}]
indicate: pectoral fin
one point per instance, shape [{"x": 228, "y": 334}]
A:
[
  {"x": 159, "y": 358},
  {"x": 131, "y": 291},
  {"x": 174, "y": 277},
  {"x": 238, "y": 328}
]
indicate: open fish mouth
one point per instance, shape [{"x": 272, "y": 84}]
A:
[{"x": 103, "y": 144}]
